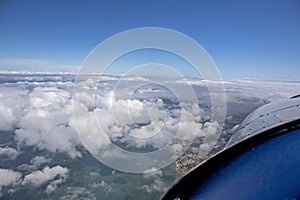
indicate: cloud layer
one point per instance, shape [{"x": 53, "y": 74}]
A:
[
  {"x": 53, "y": 176},
  {"x": 37, "y": 111}
]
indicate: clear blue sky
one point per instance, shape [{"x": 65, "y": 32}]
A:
[{"x": 242, "y": 36}]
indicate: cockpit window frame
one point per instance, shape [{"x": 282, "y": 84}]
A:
[{"x": 186, "y": 186}]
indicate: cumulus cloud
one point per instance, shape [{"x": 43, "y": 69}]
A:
[
  {"x": 157, "y": 184},
  {"x": 40, "y": 118},
  {"x": 12, "y": 103},
  {"x": 53, "y": 176},
  {"x": 35, "y": 163},
  {"x": 152, "y": 173},
  {"x": 45, "y": 123},
  {"x": 37, "y": 178},
  {"x": 39, "y": 160},
  {"x": 40, "y": 112},
  {"x": 8, "y": 177},
  {"x": 7, "y": 118},
  {"x": 134, "y": 122},
  {"x": 102, "y": 185},
  {"x": 53, "y": 185},
  {"x": 38, "y": 109},
  {"x": 9, "y": 153},
  {"x": 58, "y": 139},
  {"x": 74, "y": 193}
]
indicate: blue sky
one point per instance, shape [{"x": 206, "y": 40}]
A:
[{"x": 246, "y": 39}]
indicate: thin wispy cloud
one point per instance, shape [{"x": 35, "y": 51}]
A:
[{"x": 35, "y": 65}]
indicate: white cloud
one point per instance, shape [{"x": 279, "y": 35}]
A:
[
  {"x": 74, "y": 193},
  {"x": 133, "y": 123},
  {"x": 35, "y": 163},
  {"x": 152, "y": 173},
  {"x": 56, "y": 175},
  {"x": 53, "y": 185},
  {"x": 12, "y": 102},
  {"x": 39, "y": 111},
  {"x": 102, "y": 185},
  {"x": 8, "y": 177},
  {"x": 7, "y": 118},
  {"x": 53, "y": 175},
  {"x": 45, "y": 122},
  {"x": 157, "y": 185},
  {"x": 35, "y": 65},
  {"x": 41, "y": 114},
  {"x": 39, "y": 160},
  {"x": 8, "y": 152},
  {"x": 266, "y": 90}
]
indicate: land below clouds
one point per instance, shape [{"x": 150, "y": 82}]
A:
[{"x": 43, "y": 157}]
